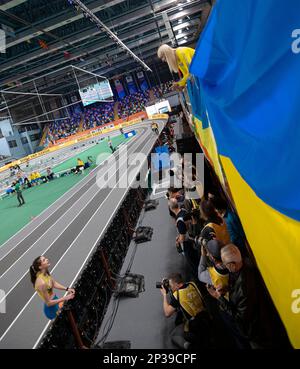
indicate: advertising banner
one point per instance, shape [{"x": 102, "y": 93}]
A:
[
  {"x": 130, "y": 84},
  {"x": 142, "y": 81},
  {"x": 120, "y": 89}
]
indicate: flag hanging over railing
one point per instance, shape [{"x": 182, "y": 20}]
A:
[{"x": 247, "y": 67}]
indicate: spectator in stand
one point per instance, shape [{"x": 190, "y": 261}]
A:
[
  {"x": 215, "y": 227},
  {"x": 178, "y": 60},
  {"x": 234, "y": 226},
  {"x": 162, "y": 89},
  {"x": 211, "y": 269},
  {"x": 64, "y": 128},
  {"x": 240, "y": 310},
  {"x": 98, "y": 115},
  {"x": 132, "y": 104}
]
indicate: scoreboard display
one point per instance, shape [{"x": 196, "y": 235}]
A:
[{"x": 97, "y": 92}]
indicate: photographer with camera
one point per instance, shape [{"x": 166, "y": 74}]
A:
[
  {"x": 186, "y": 298},
  {"x": 194, "y": 224}
]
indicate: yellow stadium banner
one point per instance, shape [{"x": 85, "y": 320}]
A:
[{"x": 158, "y": 116}]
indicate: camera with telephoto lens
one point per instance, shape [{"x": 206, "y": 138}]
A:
[{"x": 164, "y": 284}]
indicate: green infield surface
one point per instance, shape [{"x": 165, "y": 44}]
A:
[{"x": 39, "y": 198}]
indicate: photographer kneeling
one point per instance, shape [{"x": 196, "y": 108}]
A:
[{"x": 186, "y": 298}]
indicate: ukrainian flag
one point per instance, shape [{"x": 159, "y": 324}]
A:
[{"x": 247, "y": 76}]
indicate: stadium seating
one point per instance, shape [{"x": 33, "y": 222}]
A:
[{"x": 104, "y": 113}]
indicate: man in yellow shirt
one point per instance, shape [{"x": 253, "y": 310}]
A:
[
  {"x": 178, "y": 60},
  {"x": 186, "y": 298}
]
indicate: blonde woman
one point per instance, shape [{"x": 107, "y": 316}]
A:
[{"x": 178, "y": 60}]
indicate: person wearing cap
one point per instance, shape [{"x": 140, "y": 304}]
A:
[{"x": 211, "y": 269}]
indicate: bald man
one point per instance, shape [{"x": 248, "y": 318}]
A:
[{"x": 240, "y": 311}]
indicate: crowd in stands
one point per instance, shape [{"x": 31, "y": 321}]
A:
[
  {"x": 96, "y": 116},
  {"x": 104, "y": 113},
  {"x": 224, "y": 287},
  {"x": 64, "y": 128},
  {"x": 132, "y": 104},
  {"x": 162, "y": 89}
]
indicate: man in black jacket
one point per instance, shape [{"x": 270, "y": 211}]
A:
[
  {"x": 183, "y": 242},
  {"x": 240, "y": 311}
]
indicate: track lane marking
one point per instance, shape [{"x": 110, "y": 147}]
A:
[
  {"x": 25, "y": 306},
  {"x": 136, "y": 144}
]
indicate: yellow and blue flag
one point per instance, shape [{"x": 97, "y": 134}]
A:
[{"x": 247, "y": 73}]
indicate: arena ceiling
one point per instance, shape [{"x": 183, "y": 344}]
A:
[{"x": 43, "y": 36}]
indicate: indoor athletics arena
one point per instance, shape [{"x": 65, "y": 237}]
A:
[{"x": 149, "y": 182}]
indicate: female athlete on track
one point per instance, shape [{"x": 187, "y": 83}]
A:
[{"x": 44, "y": 284}]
